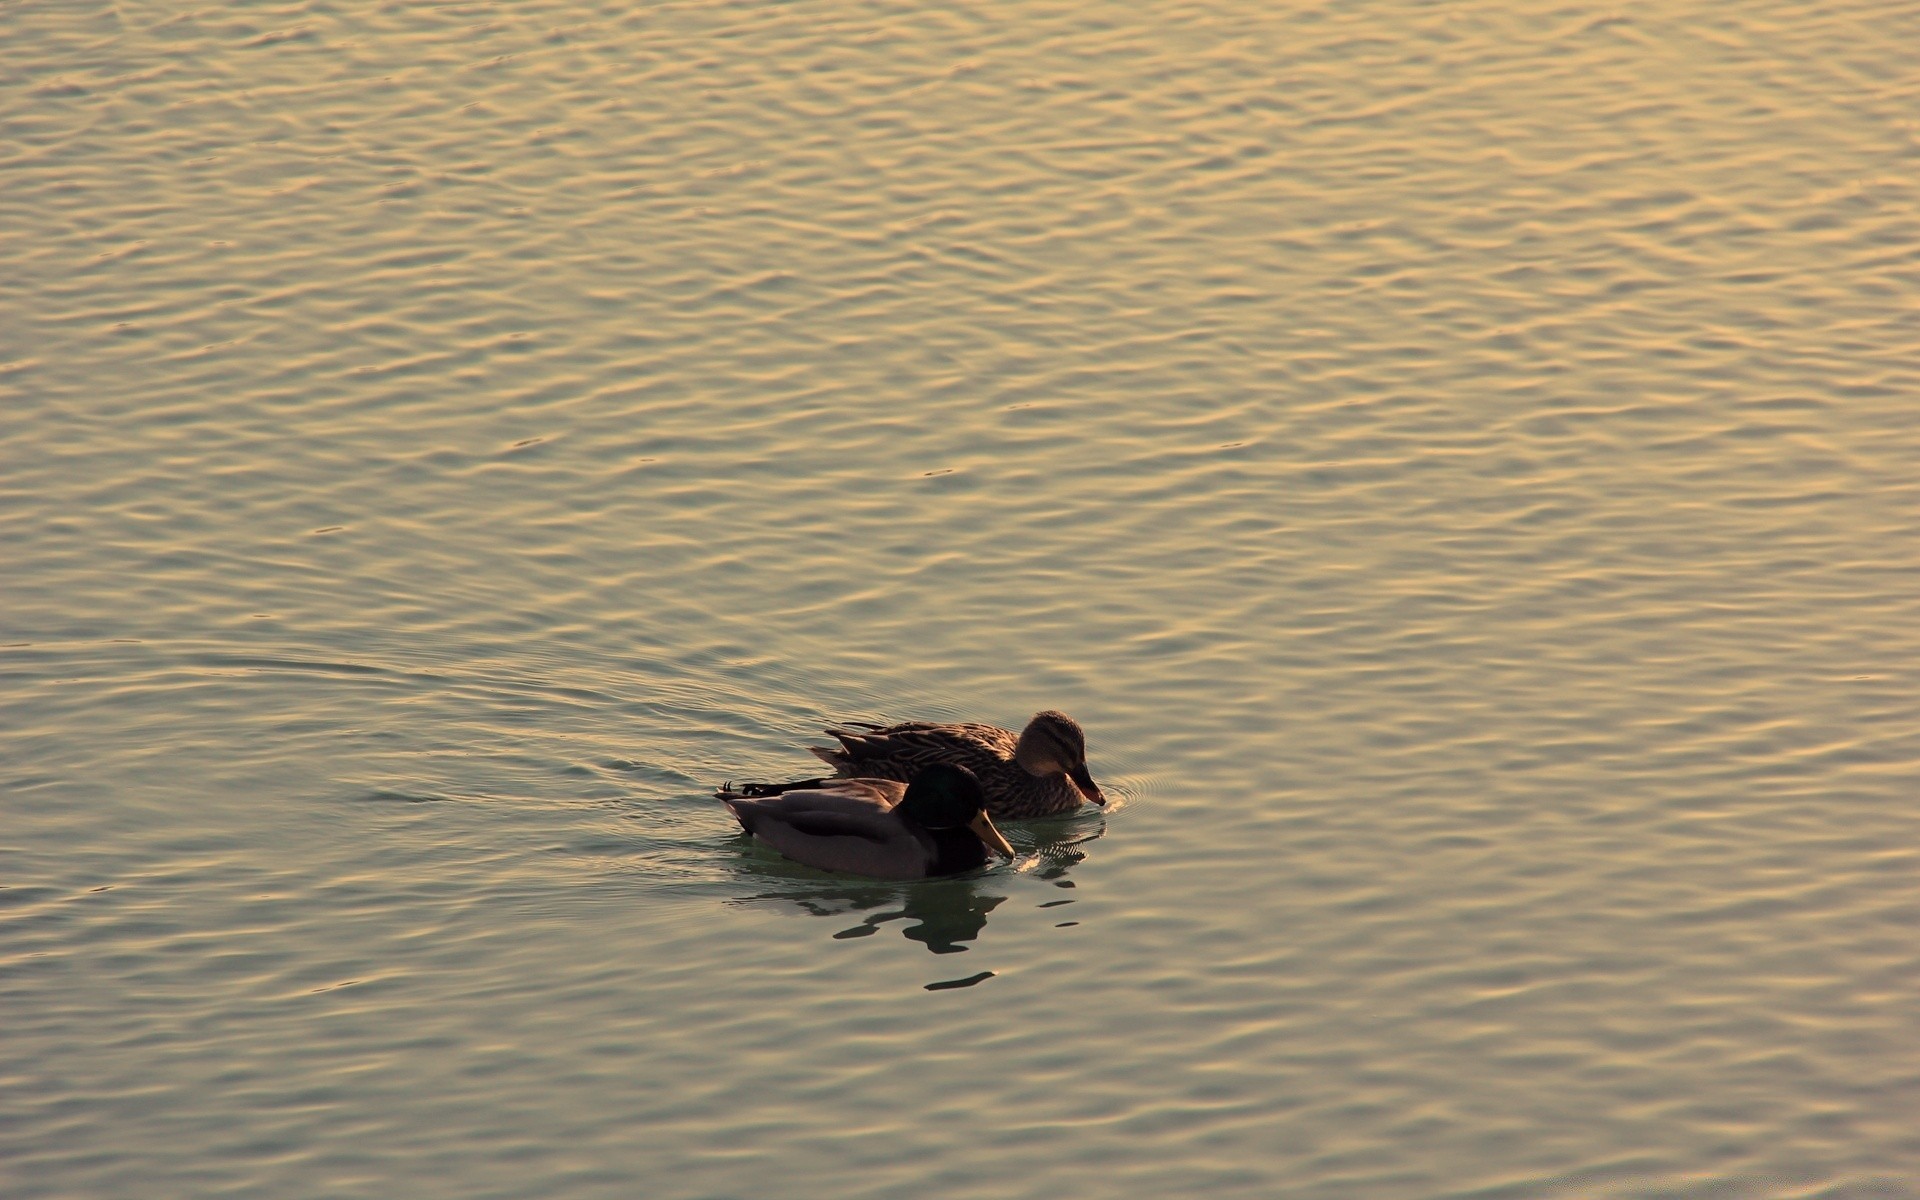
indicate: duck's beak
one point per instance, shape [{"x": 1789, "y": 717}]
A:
[
  {"x": 983, "y": 825},
  {"x": 1085, "y": 783}
]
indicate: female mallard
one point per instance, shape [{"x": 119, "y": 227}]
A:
[
  {"x": 935, "y": 825},
  {"x": 1041, "y": 772}
]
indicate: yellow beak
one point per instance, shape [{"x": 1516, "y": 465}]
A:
[{"x": 983, "y": 825}]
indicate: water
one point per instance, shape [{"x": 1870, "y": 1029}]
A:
[{"x": 1458, "y": 463}]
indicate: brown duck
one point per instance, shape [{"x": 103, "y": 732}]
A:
[{"x": 1038, "y": 772}]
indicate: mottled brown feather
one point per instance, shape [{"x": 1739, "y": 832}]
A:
[{"x": 898, "y": 751}]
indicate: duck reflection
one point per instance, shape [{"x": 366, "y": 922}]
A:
[
  {"x": 941, "y": 917},
  {"x": 944, "y": 915}
]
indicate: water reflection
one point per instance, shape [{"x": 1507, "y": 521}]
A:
[{"x": 944, "y": 915}]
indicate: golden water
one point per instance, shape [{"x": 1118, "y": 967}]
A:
[{"x": 1460, "y": 462}]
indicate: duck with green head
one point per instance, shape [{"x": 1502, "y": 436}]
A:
[{"x": 935, "y": 825}]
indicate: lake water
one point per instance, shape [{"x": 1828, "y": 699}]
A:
[{"x": 1461, "y": 463}]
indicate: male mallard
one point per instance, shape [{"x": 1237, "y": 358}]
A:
[
  {"x": 1041, "y": 772},
  {"x": 935, "y": 825}
]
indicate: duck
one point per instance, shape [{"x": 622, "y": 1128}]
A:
[
  {"x": 1039, "y": 772},
  {"x": 936, "y": 824}
]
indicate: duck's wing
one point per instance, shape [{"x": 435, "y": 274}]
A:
[
  {"x": 853, "y": 797},
  {"x": 837, "y": 830},
  {"x": 884, "y": 792},
  {"x": 905, "y": 748}
]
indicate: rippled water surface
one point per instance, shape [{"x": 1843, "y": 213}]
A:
[{"x": 1460, "y": 462}]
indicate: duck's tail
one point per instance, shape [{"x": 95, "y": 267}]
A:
[
  {"x": 756, "y": 791},
  {"x": 744, "y": 811}
]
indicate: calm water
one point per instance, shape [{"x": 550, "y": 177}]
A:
[{"x": 1461, "y": 463}]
